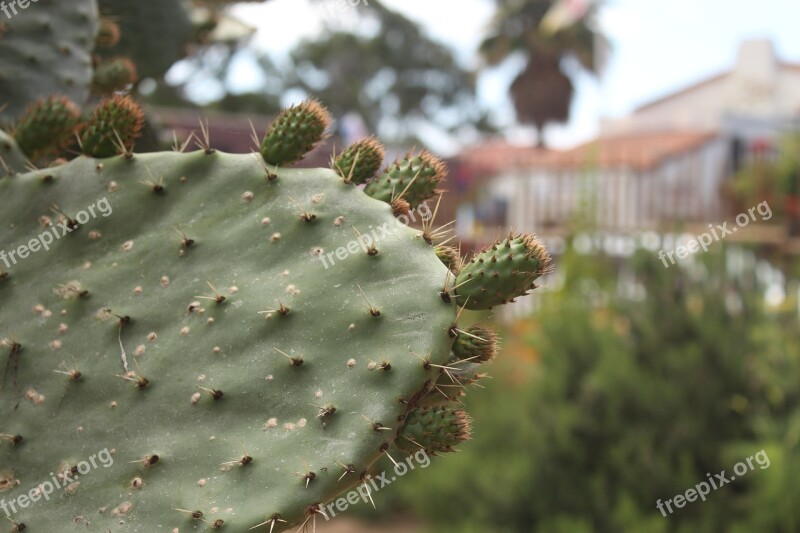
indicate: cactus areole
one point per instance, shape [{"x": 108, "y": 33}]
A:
[{"x": 175, "y": 356}]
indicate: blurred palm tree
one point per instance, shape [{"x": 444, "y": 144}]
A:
[{"x": 542, "y": 92}]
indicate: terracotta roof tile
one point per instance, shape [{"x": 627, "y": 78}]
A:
[{"x": 640, "y": 151}]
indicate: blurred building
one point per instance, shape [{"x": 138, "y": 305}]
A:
[{"x": 660, "y": 168}]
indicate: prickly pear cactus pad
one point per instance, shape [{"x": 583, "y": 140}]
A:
[
  {"x": 154, "y": 34},
  {"x": 45, "y": 50},
  {"x": 12, "y": 159},
  {"x": 177, "y": 356}
]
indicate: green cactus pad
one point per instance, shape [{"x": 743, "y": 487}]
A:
[
  {"x": 45, "y": 49},
  {"x": 294, "y": 133},
  {"x": 435, "y": 429},
  {"x": 47, "y": 126},
  {"x": 415, "y": 178},
  {"x": 154, "y": 34},
  {"x": 360, "y": 161},
  {"x": 504, "y": 271},
  {"x": 115, "y": 124},
  {"x": 253, "y": 371},
  {"x": 12, "y": 160}
]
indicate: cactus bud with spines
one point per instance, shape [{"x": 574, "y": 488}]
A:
[
  {"x": 114, "y": 75},
  {"x": 295, "y": 132},
  {"x": 108, "y": 34},
  {"x": 113, "y": 127},
  {"x": 502, "y": 272},
  {"x": 46, "y": 127},
  {"x": 449, "y": 256},
  {"x": 415, "y": 178},
  {"x": 360, "y": 161},
  {"x": 147, "y": 320},
  {"x": 435, "y": 429},
  {"x": 476, "y": 344}
]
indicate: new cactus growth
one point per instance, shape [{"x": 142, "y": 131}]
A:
[
  {"x": 172, "y": 308},
  {"x": 295, "y": 133},
  {"x": 414, "y": 178},
  {"x": 113, "y": 127},
  {"x": 116, "y": 74},
  {"x": 46, "y": 127},
  {"x": 504, "y": 271},
  {"x": 360, "y": 161},
  {"x": 476, "y": 344},
  {"x": 434, "y": 429}
]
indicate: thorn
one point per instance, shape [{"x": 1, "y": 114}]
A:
[
  {"x": 305, "y": 216},
  {"x": 141, "y": 382},
  {"x": 390, "y": 457},
  {"x": 374, "y": 311},
  {"x": 281, "y": 310},
  {"x": 296, "y": 361},
  {"x": 181, "y": 148},
  {"x": 123, "y": 355},
  {"x": 13, "y": 439},
  {"x": 157, "y": 188},
  {"x": 214, "y": 393},
  {"x": 120, "y": 146},
  {"x": 271, "y": 176},
  {"x": 186, "y": 242},
  {"x": 273, "y": 520},
  {"x": 376, "y": 426},
  {"x": 370, "y": 250},
  {"x": 348, "y": 469},
  {"x": 217, "y": 296},
  {"x": 147, "y": 461},
  {"x": 308, "y": 477},
  {"x": 205, "y": 142},
  {"x": 74, "y": 374},
  {"x": 254, "y": 137},
  {"x": 196, "y": 515}
]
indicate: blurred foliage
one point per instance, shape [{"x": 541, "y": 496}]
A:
[
  {"x": 774, "y": 178},
  {"x": 395, "y": 77},
  {"x": 542, "y": 92},
  {"x": 631, "y": 401},
  {"x": 381, "y": 67}
]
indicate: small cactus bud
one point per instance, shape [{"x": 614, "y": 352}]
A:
[
  {"x": 113, "y": 127},
  {"x": 295, "y": 132}
]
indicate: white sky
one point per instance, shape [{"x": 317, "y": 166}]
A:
[{"x": 657, "y": 45}]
